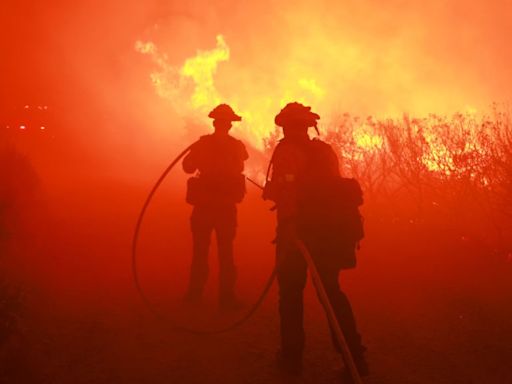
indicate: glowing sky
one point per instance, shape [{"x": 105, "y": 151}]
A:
[{"x": 362, "y": 57}]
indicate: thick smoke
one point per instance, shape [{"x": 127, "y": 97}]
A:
[{"x": 361, "y": 57}]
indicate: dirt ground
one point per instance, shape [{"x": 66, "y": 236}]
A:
[{"x": 429, "y": 311}]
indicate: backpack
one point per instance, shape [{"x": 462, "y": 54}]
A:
[{"x": 329, "y": 216}]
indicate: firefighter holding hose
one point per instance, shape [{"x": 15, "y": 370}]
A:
[
  {"x": 314, "y": 205},
  {"x": 217, "y": 160}
]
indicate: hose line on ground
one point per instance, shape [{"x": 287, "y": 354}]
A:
[{"x": 150, "y": 306}]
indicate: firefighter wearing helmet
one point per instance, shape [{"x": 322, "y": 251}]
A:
[
  {"x": 304, "y": 180},
  {"x": 217, "y": 160}
]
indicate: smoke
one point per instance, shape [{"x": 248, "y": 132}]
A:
[
  {"x": 364, "y": 57},
  {"x": 124, "y": 95}
]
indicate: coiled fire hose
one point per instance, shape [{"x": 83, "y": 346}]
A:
[
  {"x": 151, "y": 307},
  {"x": 317, "y": 282}
]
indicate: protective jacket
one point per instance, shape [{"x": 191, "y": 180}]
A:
[
  {"x": 311, "y": 196},
  {"x": 218, "y": 161}
]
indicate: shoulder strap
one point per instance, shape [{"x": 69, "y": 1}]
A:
[{"x": 270, "y": 165}]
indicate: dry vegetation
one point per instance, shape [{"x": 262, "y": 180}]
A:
[{"x": 447, "y": 174}]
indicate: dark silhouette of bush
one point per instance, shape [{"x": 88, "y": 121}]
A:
[{"x": 451, "y": 173}]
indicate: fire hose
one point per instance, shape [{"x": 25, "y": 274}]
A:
[
  {"x": 149, "y": 304},
  {"x": 329, "y": 311},
  {"x": 317, "y": 282}
]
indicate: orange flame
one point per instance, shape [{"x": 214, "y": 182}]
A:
[{"x": 193, "y": 89}]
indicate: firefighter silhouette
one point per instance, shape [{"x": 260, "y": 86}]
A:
[
  {"x": 218, "y": 185},
  {"x": 310, "y": 196}
]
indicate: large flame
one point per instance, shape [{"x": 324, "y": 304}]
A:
[
  {"x": 191, "y": 87},
  {"x": 201, "y": 70},
  {"x": 194, "y": 88}
]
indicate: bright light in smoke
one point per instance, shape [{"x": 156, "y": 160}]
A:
[{"x": 312, "y": 86}]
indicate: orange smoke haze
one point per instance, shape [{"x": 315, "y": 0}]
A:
[
  {"x": 122, "y": 86},
  {"x": 365, "y": 58},
  {"x": 86, "y": 60}
]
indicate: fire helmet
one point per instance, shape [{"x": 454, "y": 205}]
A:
[
  {"x": 296, "y": 113},
  {"x": 224, "y": 112}
]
